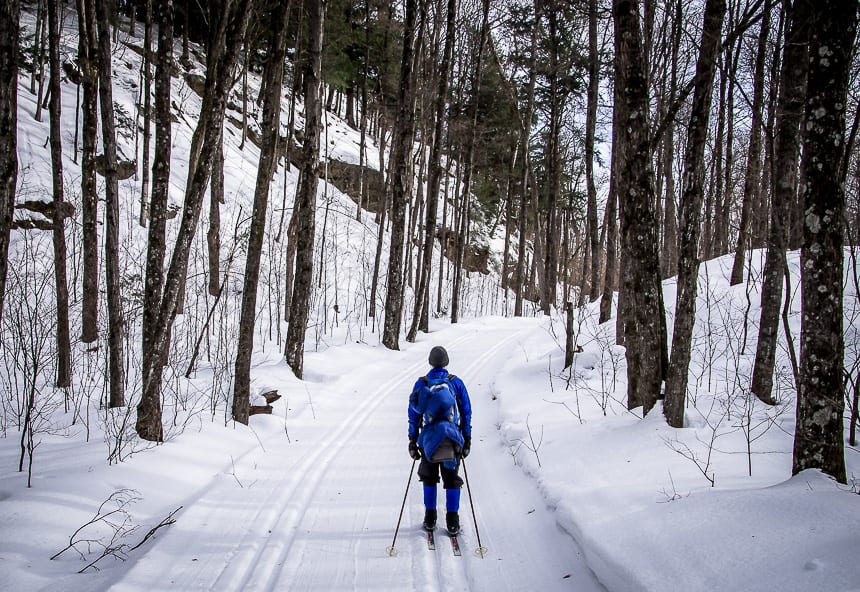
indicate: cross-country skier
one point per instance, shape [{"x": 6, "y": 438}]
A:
[{"x": 440, "y": 434}]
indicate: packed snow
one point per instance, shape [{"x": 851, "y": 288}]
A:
[{"x": 568, "y": 489}]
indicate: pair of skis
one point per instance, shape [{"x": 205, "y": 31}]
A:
[{"x": 455, "y": 543}]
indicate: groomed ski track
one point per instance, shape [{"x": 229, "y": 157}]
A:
[{"x": 317, "y": 511}]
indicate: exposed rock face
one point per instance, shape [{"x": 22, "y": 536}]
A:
[
  {"x": 475, "y": 258},
  {"x": 125, "y": 169},
  {"x": 43, "y": 218},
  {"x": 347, "y": 178}
]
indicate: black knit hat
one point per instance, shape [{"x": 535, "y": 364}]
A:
[{"x": 438, "y": 357}]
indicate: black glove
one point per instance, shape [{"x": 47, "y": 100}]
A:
[
  {"x": 413, "y": 449},
  {"x": 467, "y": 446}
]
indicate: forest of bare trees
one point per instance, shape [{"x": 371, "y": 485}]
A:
[{"x": 609, "y": 145}]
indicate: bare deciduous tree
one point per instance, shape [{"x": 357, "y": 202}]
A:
[
  {"x": 789, "y": 113},
  {"x": 88, "y": 62},
  {"x": 401, "y": 150},
  {"x": 8, "y": 130},
  {"x": 116, "y": 323},
  {"x": 818, "y": 439},
  {"x": 306, "y": 196},
  {"x": 231, "y": 21},
  {"x": 752, "y": 178},
  {"x": 690, "y": 214},
  {"x": 270, "y": 125},
  {"x": 64, "y": 347},
  {"x": 148, "y": 424},
  {"x": 642, "y": 307},
  {"x": 422, "y": 300}
]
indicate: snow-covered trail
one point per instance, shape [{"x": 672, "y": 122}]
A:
[{"x": 317, "y": 513}]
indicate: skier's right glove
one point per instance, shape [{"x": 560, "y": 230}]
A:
[
  {"x": 413, "y": 449},
  {"x": 467, "y": 446}
]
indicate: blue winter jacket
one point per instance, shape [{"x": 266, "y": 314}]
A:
[{"x": 432, "y": 435}]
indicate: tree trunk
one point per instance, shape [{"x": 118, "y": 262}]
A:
[
  {"x": 39, "y": 41},
  {"x": 381, "y": 220},
  {"x": 113, "y": 277},
  {"x": 525, "y": 133},
  {"x": 64, "y": 347},
  {"x": 590, "y": 125},
  {"x": 401, "y": 148},
  {"x": 818, "y": 439},
  {"x": 8, "y": 131},
  {"x": 463, "y": 233},
  {"x": 307, "y": 197},
  {"x": 752, "y": 179},
  {"x": 219, "y": 79},
  {"x": 551, "y": 244},
  {"x": 690, "y": 214},
  {"x": 789, "y": 113},
  {"x": 434, "y": 182},
  {"x": 715, "y": 186},
  {"x": 670, "y": 223},
  {"x": 724, "y": 204},
  {"x": 213, "y": 234},
  {"x": 642, "y": 334},
  {"x": 147, "y": 110},
  {"x": 88, "y": 60},
  {"x": 186, "y": 19},
  {"x": 611, "y": 239},
  {"x": 363, "y": 121},
  {"x": 148, "y": 425},
  {"x": 270, "y": 126}
]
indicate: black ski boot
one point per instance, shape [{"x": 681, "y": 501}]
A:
[
  {"x": 429, "y": 519},
  {"x": 452, "y": 520}
]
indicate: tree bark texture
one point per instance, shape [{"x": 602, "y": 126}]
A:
[
  {"x": 219, "y": 80},
  {"x": 148, "y": 424},
  {"x": 549, "y": 287},
  {"x": 113, "y": 279},
  {"x": 525, "y": 134},
  {"x": 643, "y": 335},
  {"x": 590, "y": 125},
  {"x": 611, "y": 234},
  {"x": 669, "y": 253},
  {"x": 422, "y": 300},
  {"x": 88, "y": 62},
  {"x": 752, "y": 178},
  {"x": 691, "y": 213},
  {"x": 818, "y": 439},
  {"x": 789, "y": 114},
  {"x": 8, "y": 131},
  {"x": 307, "y": 197},
  {"x": 270, "y": 126},
  {"x": 147, "y": 112},
  {"x": 401, "y": 150},
  {"x": 213, "y": 234},
  {"x": 64, "y": 346},
  {"x": 465, "y": 210}
]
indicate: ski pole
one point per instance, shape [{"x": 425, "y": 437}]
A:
[
  {"x": 481, "y": 550},
  {"x": 392, "y": 552}
]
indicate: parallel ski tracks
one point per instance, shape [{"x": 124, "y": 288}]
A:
[
  {"x": 443, "y": 569},
  {"x": 254, "y": 555},
  {"x": 305, "y": 478},
  {"x": 262, "y": 568}
]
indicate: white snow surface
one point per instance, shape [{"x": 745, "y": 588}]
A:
[{"x": 571, "y": 491}]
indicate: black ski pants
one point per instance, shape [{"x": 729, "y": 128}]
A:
[{"x": 429, "y": 472}]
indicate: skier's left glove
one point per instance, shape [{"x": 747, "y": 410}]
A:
[
  {"x": 413, "y": 449},
  {"x": 467, "y": 446}
]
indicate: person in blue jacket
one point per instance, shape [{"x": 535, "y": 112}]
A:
[{"x": 440, "y": 434}]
